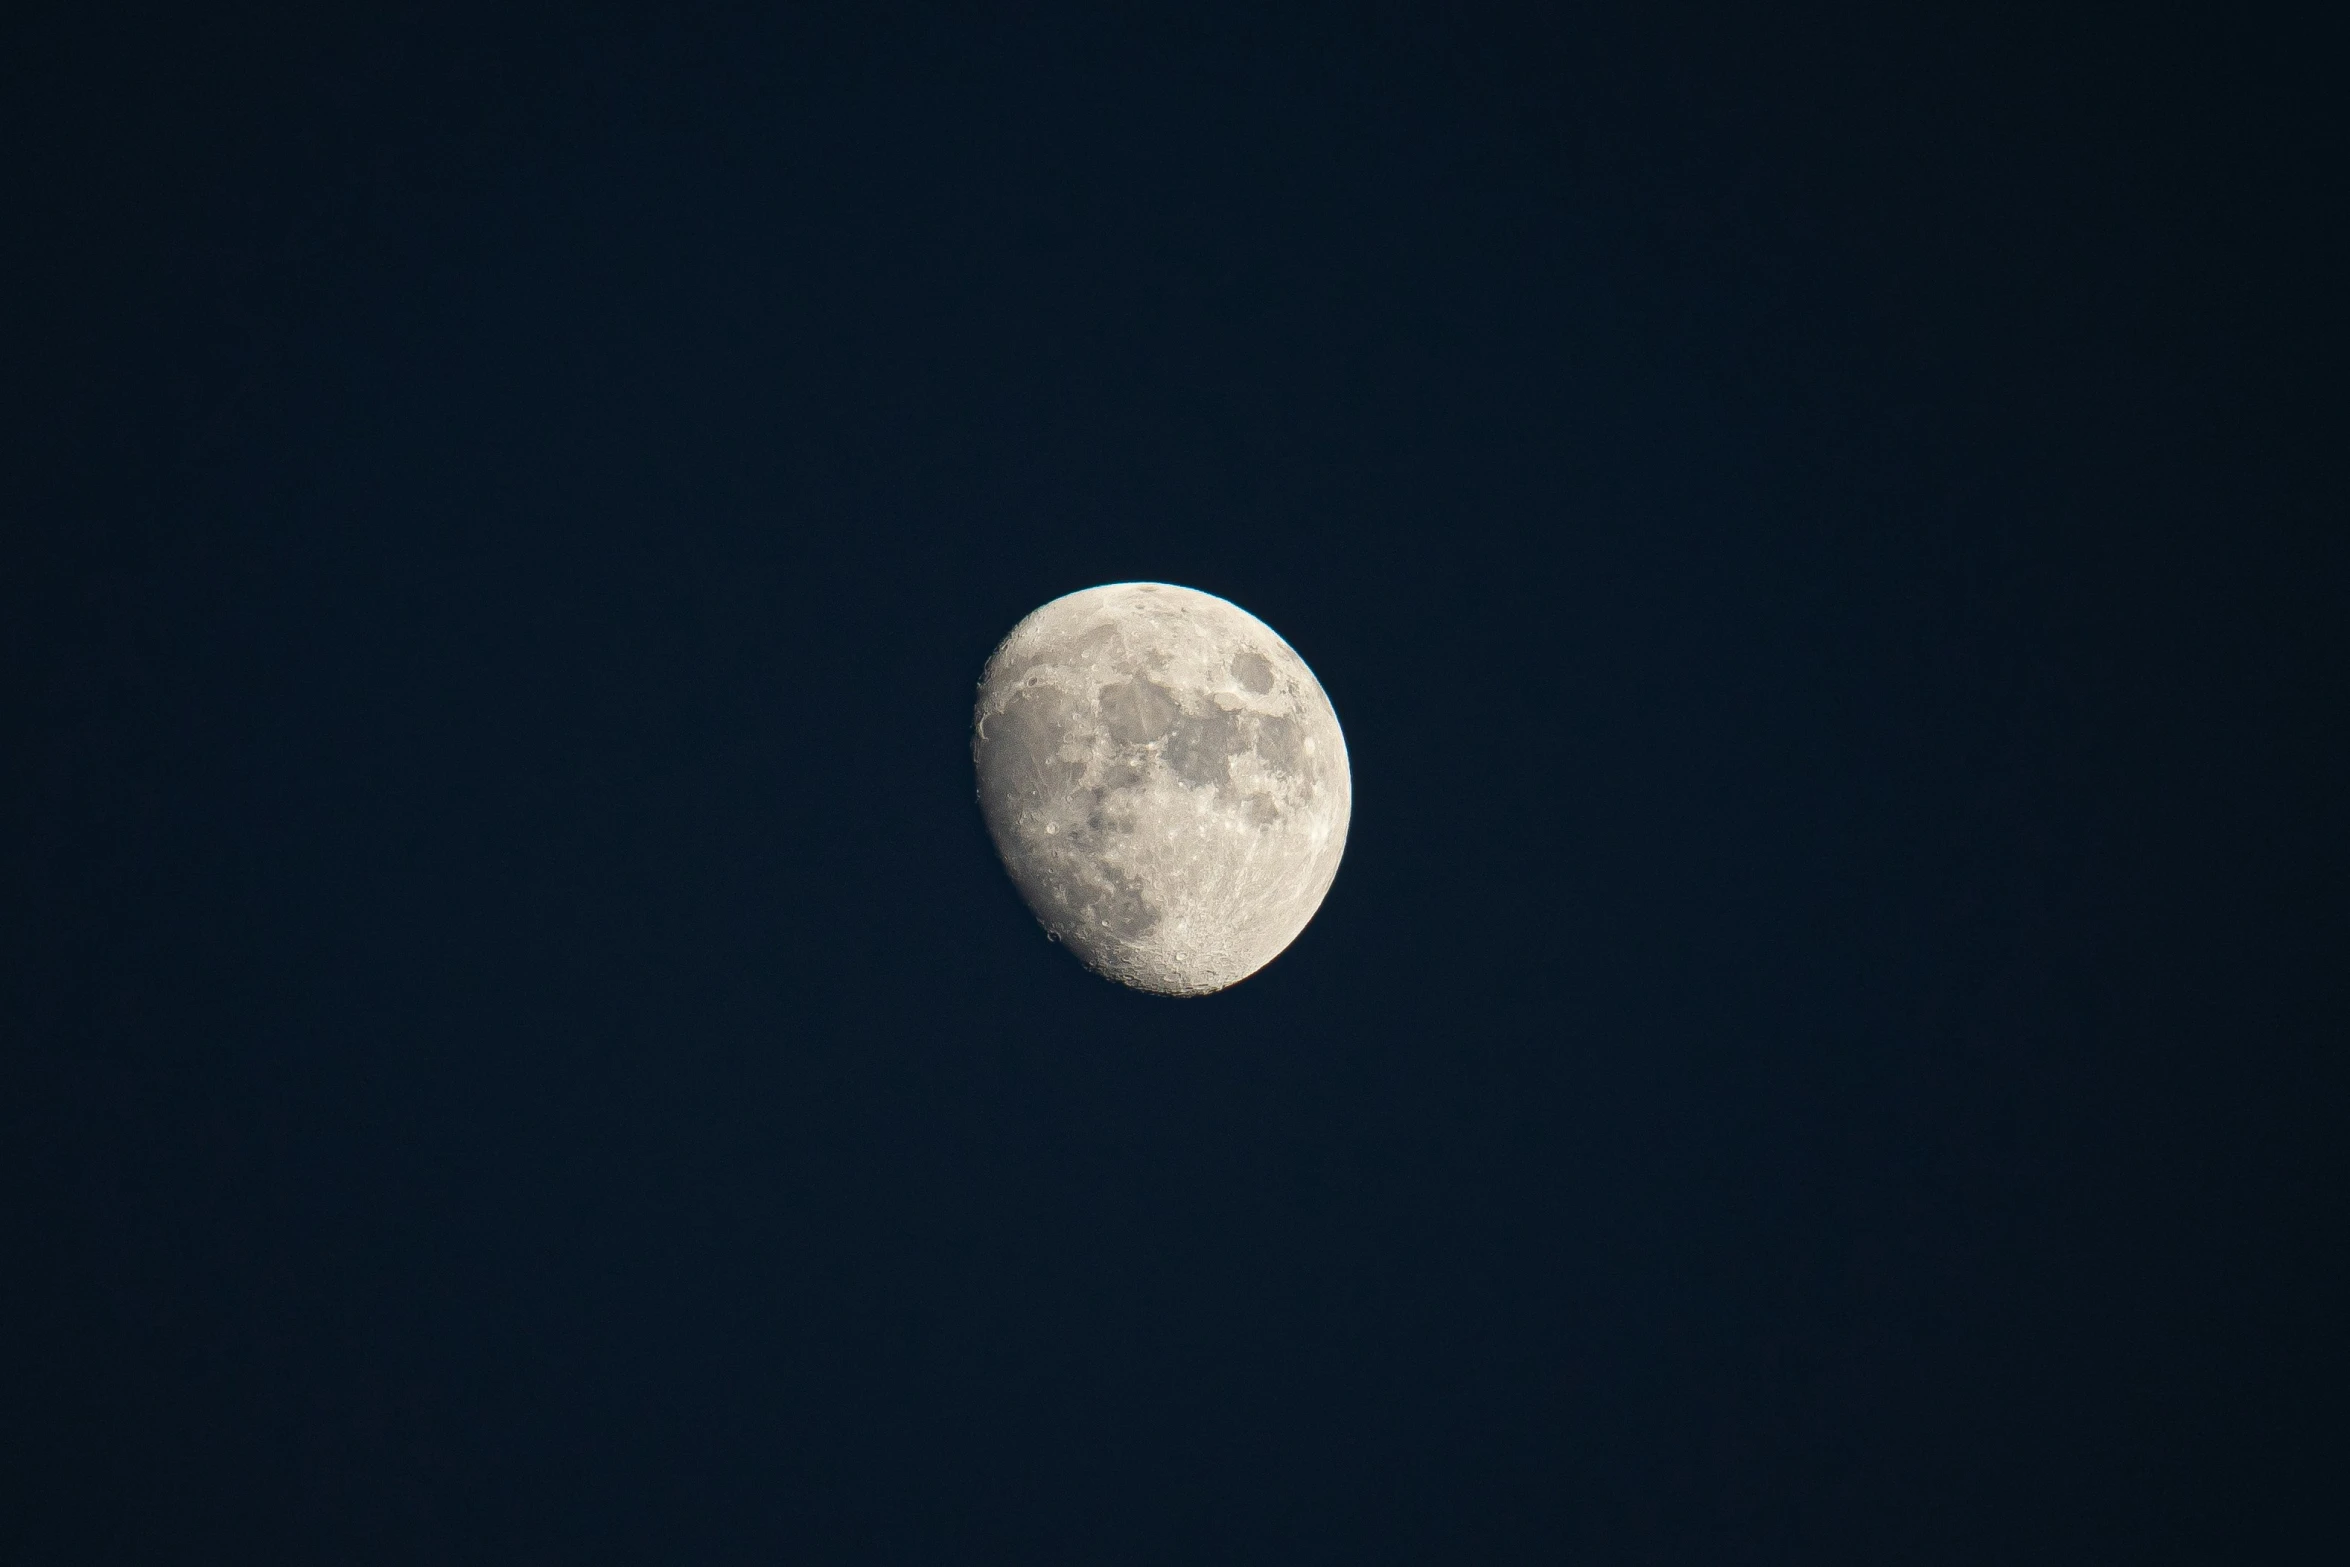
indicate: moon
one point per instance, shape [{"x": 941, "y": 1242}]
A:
[{"x": 1166, "y": 783}]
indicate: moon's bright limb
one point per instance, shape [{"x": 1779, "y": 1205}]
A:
[{"x": 1165, "y": 781}]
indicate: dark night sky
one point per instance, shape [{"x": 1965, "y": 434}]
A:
[{"x": 1820, "y": 533}]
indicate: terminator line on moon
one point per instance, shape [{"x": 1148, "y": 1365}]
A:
[{"x": 1165, "y": 781}]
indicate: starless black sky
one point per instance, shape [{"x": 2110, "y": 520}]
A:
[{"x": 518, "y": 1049}]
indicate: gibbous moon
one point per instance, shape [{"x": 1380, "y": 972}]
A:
[{"x": 1165, "y": 781}]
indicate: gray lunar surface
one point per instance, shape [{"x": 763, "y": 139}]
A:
[{"x": 1165, "y": 781}]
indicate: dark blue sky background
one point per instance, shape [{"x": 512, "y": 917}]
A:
[{"x": 1817, "y": 528}]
